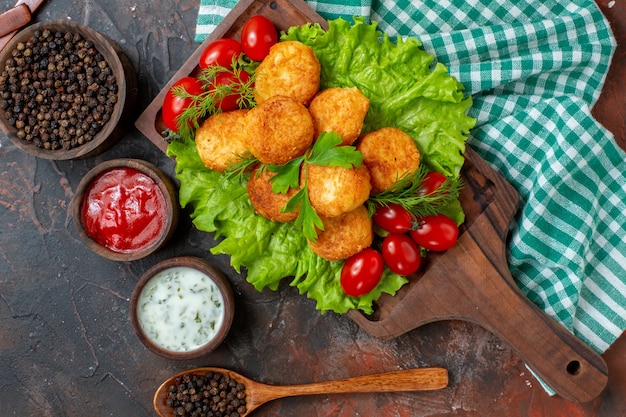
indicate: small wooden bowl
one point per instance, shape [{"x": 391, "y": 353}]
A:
[
  {"x": 165, "y": 186},
  {"x": 228, "y": 306},
  {"x": 127, "y": 88}
]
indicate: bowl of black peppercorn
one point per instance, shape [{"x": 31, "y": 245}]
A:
[{"x": 66, "y": 90}]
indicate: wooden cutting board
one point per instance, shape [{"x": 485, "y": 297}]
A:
[
  {"x": 283, "y": 13},
  {"x": 470, "y": 281}
]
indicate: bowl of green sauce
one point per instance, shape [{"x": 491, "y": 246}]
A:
[{"x": 182, "y": 308}]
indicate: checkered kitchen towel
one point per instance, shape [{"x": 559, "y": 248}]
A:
[{"x": 534, "y": 68}]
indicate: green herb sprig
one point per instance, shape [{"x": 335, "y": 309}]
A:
[
  {"x": 242, "y": 167},
  {"x": 205, "y": 103},
  {"x": 324, "y": 152},
  {"x": 407, "y": 192}
]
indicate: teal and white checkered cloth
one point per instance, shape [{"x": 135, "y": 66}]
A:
[{"x": 534, "y": 68}]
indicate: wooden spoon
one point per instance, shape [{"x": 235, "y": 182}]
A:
[{"x": 419, "y": 379}]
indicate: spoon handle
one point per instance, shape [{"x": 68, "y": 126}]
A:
[{"x": 419, "y": 379}]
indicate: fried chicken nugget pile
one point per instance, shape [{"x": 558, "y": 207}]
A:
[{"x": 290, "y": 114}]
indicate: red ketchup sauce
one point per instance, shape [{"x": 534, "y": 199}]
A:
[{"x": 124, "y": 210}]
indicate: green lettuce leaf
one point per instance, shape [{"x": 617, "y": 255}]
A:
[
  {"x": 268, "y": 250},
  {"x": 406, "y": 88}
]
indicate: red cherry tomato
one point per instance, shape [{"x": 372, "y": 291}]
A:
[
  {"x": 401, "y": 254},
  {"x": 432, "y": 182},
  {"x": 220, "y": 52},
  {"x": 258, "y": 35},
  {"x": 437, "y": 233},
  {"x": 362, "y": 272},
  {"x": 228, "y": 102},
  {"x": 174, "y": 106},
  {"x": 394, "y": 218}
]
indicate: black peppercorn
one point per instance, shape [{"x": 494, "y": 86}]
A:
[
  {"x": 213, "y": 394},
  {"x": 47, "y": 80}
]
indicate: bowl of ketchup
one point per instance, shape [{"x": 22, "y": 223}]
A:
[{"x": 125, "y": 209}]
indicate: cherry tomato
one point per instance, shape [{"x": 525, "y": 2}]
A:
[
  {"x": 362, "y": 272},
  {"x": 228, "y": 102},
  {"x": 401, "y": 254},
  {"x": 394, "y": 218},
  {"x": 437, "y": 233},
  {"x": 220, "y": 52},
  {"x": 174, "y": 106},
  {"x": 432, "y": 182},
  {"x": 257, "y": 37}
]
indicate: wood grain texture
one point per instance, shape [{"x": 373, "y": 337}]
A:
[
  {"x": 24, "y": 16},
  {"x": 257, "y": 394},
  {"x": 14, "y": 19}
]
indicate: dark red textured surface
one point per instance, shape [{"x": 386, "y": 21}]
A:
[{"x": 66, "y": 345}]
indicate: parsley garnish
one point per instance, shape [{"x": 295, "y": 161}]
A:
[{"x": 324, "y": 152}]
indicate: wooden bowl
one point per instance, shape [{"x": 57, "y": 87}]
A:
[
  {"x": 110, "y": 127},
  {"x": 195, "y": 320},
  {"x": 94, "y": 236}
]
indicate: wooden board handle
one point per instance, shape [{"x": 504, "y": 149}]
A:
[
  {"x": 472, "y": 282},
  {"x": 566, "y": 364},
  {"x": 471, "y": 289}
]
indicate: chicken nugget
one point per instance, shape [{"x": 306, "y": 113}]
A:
[
  {"x": 220, "y": 141},
  {"x": 278, "y": 130},
  {"x": 340, "y": 110},
  {"x": 334, "y": 191},
  {"x": 344, "y": 235},
  {"x": 389, "y": 154},
  {"x": 291, "y": 69},
  {"x": 266, "y": 202}
]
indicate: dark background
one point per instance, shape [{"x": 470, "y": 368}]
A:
[{"x": 66, "y": 344}]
